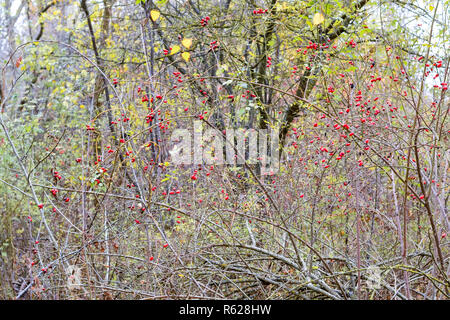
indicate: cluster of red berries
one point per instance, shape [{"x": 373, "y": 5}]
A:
[
  {"x": 166, "y": 52},
  {"x": 177, "y": 75},
  {"x": 99, "y": 159},
  {"x": 375, "y": 79},
  {"x": 260, "y": 11},
  {"x": 351, "y": 43},
  {"x": 213, "y": 45},
  {"x": 204, "y": 21},
  {"x": 247, "y": 95},
  {"x": 314, "y": 46},
  {"x": 57, "y": 175},
  {"x": 294, "y": 69},
  {"x": 269, "y": 62},
  {"x": 171, "y": 192}
]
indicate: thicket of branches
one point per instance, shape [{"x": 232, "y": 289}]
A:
[{"x": 93, "y": 207}]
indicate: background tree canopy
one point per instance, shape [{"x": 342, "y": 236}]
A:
[{"x": 94, "y": 206}]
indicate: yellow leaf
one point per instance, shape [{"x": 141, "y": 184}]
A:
[
  {"x": 318, "y": 18},
  {"x": 187, "y": 43},
  {"x": 186, "y": 56},
  {"x": 154, "y": 14},
  {"x": 175, "y": 49},
  {"x": 81, "y": 106}
]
